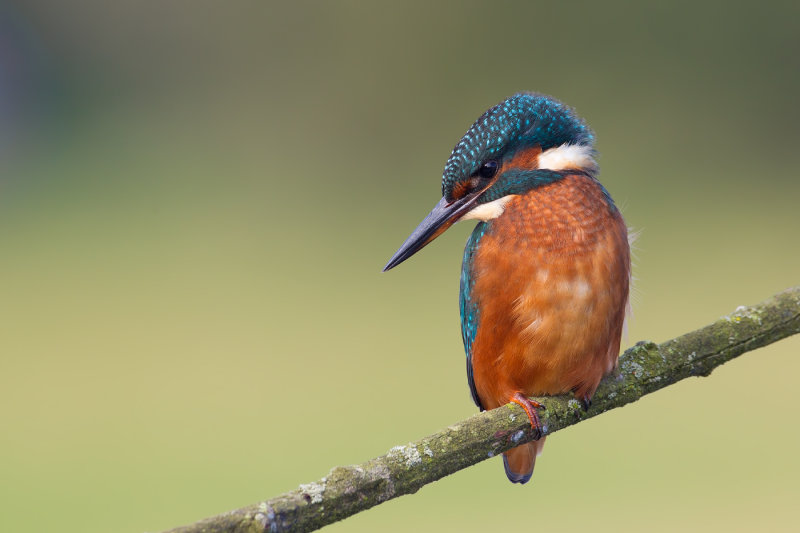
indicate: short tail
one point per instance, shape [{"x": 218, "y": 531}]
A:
[{"x": 519, "y": 461}]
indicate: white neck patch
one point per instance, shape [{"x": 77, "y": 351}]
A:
[
  {"x": 568, "y": 156},
  {"x": 488, "y": 210}
]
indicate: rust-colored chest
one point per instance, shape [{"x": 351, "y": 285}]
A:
[{"x": 550, "y": 279}]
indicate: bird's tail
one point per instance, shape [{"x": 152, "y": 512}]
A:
[{"x": 519, "y": 461}]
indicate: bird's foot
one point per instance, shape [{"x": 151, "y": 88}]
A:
[{"x": 530, "y": 408}]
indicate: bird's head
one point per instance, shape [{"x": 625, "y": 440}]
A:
[{"x": 526, "y": 141}]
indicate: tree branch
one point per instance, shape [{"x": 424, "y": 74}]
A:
[{"x": 642, "y": 369}]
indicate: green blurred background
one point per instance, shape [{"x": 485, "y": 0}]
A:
[{"x": 198, "y": 197}]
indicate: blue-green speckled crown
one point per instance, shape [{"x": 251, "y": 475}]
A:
[{"x": 523, "y": 120}]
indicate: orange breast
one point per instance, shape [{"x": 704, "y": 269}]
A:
[{"x": 551, "y": 282}]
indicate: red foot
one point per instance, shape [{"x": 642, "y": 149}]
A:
[{"x": 530, "y": 409}]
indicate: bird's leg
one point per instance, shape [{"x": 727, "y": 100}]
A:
[{"x": 530, "y": 407}]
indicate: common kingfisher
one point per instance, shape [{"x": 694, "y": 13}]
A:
[{"x": 546, "y": 271}]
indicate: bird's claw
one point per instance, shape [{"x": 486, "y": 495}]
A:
[
  {"x": 530, "y": 407},
  {"x": 586, "y": 402}
]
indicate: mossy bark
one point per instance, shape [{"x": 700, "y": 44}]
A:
[{"x": 642, "y": 369}]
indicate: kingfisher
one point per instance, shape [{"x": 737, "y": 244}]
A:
[{"x": 546, "y": 271}]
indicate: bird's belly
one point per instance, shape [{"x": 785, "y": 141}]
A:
[
  {"x": 560, "y": 337},
  {"x": 552, "y": 305}
]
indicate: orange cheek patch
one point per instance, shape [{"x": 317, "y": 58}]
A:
[{"x": 525, "y": 159}]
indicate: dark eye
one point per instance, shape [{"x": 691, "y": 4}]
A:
[{"x": 488, "y": 169}]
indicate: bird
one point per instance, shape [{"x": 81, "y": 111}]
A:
[{"x": 545, "y": 278}]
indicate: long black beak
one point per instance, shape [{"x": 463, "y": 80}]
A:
[{"x": 441, "y": 217}]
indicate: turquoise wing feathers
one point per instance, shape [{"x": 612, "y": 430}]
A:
[{"x": 468, "y": 306}]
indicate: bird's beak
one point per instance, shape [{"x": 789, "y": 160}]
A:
[{"x": 441, "y": 217}]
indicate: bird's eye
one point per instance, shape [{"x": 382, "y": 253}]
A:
[{"x": 488, "y": 169}]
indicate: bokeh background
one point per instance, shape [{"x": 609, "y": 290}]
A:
[{"x": 198, "y": 197}]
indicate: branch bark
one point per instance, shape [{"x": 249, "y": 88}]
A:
[{"x": 644, "y": 368}]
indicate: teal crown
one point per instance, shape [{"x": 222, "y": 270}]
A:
[{"x": 521, "y": 121}]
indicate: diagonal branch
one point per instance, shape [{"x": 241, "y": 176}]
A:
[{"x": 642, "y": 369}]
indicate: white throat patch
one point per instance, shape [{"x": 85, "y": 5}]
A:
[
  {"x": 568, "y": 156},
  {"x": 488, "y": 210}
]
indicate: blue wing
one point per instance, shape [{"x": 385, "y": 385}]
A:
[{"x": 469, "y": 308}]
